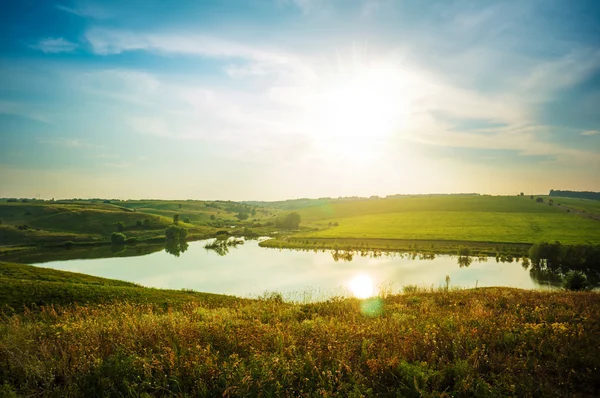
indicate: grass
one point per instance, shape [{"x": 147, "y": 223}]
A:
[
  {"x": 68, "y": 334},
  {"x": 361, "y": 245},
  {"x": 49, "y": 223},
  {"x": 34, "y": 255},
  {"x": 23, "y": 286},
  {"x": 587, "y": 205},
  {"x": 484, "y": 342},
  {"x": 467, "y": 226},
  {"x": 31, "y": 273},
  {"x": 441, "y": 220}
]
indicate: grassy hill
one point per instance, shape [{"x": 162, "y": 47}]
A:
[
  {"x": 45, "y": 222},
  {"x": 200, "y": 212},
  {"x": 121, "y": 340},
  {"x": 585, "y": 205},
  {"x": 27, "y": 285},
  {"x": 467, "y": 218}
]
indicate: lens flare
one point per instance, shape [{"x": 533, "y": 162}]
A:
[{"x": 362, "y": 286}]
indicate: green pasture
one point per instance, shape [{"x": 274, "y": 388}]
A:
[{"x": 457, "y": 218}]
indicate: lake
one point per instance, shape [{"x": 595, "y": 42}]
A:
[{"x": 249, "y": 271}]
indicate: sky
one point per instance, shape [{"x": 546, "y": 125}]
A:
[{"x": 277, "y": 99}]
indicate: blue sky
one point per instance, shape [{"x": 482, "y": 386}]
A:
[{"x": 306, "y": 98}]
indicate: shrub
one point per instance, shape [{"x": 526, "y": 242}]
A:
[
  {"x": 131, "y": 240},
  {"x": 117, "y": 238},
  {"x": 176, "y": 232},
  {"x": 575, "y": 280},
  {"x": 120, "y": 226}
]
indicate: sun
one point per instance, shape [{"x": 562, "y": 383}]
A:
[
  {"x": 361, "y": 286},
  {"x": 357, "y": 114}
]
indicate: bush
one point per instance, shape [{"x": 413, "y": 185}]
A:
[
  {"x": 117, "y": 238},
  {"x": 131, "y": 240},
  {"x": 575, "y": 280},
  {"x": 176, "y": 232},
  {"x": 120, "y": 226}
]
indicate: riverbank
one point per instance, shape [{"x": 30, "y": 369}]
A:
[
  {"x": 477, "y": 342},
  {"x": 400, "y": 245}
]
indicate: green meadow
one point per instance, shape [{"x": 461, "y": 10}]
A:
[{"x": 484, "y": 219}]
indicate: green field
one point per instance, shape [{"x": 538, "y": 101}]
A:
[
  {"x": 65, "y": 334},
  {"x": 31, "y": 286},
  {"x": 587, "y": 205},
  {"x": 41, "y": 222},
  {"x": 457, "y": 218}
]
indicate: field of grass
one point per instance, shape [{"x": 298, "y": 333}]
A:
[
  {"x": 467, "y": 226},
  {"x": 484, "y": 342},
  {"x": 450, "y": 218},
  {"x": 26, "y": 286},
  {"x": 587, "y": 205},
  {"x": 68, "y": 334},
  {"x": 31, "y": 273},
  {"x": 34, "y": 255}
]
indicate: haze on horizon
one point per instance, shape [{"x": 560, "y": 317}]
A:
[{"x": 278, "y": 99}]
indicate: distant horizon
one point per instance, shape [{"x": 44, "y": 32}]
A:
[{"x": 357, "y": 197}]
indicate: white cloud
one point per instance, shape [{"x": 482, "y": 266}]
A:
[
  {"x": 591, "y": 132},
  {"x": 550, "y": 76},
  {"x": 108, "y": 41},
  {"x": 84, "y": 8},
  {"x": 56, "y": 45}
]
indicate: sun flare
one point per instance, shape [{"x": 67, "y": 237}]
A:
[
  {"x": 360, "y": 111},
  {"x": 362, "y": 286}
]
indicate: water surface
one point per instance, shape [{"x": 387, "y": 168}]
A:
[{"x": 249, "y": 270}]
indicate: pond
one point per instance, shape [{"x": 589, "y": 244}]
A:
[{"x": 248, "y": 270}]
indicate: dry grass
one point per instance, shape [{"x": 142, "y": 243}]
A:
[{"x": 485, "y": 342}]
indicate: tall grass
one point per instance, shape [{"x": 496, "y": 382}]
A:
[{"x": 484, "y": 342}]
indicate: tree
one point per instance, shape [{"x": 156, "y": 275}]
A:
[
  {"x": 521, "y": 194},
  {"x": 176, "y": 232},
  {"x": 120, "y": 226},
  {"x": 242, "y": 216},
  {"x": 176, "y": 219},
  {"x": 117, "y": 238},
  {"x": 575, "y": 280},
  {"x": 540, "y": 200},
  {"x": 291, "y": 221}
]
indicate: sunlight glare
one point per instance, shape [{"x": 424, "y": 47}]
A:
[
  {"x": 362, "y": 286},
  {"x": 360, "y": 111}
]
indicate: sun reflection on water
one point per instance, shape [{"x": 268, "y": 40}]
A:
[{"x": 362, "y": 286}]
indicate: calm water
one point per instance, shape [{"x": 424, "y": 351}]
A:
[{"x": 249, "y": 270}]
